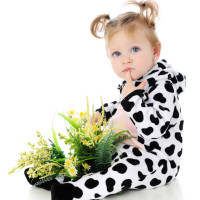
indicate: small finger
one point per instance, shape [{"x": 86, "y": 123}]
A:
[{"x": 128, "y": 77}]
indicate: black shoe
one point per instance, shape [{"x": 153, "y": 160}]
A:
[
  {"x": 62, "y": 192},
  {"x": 47, "y": 185}
]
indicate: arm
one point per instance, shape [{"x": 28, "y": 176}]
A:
[{"x": 151, "y": 113}]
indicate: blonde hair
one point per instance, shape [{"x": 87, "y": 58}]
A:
[{"x": 129, "y": 22}]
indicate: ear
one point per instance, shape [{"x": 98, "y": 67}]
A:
[{"x": 157, "y": 50}]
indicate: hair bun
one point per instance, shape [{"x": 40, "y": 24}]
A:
[
  {"x": 99, "y": 24},
  {"x": 148, "y": 10}
]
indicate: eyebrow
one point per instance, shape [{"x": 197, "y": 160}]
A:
[{"x": 135, "y": 43}]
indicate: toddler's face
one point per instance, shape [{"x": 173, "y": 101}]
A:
[{"x": 128, "y": 53}]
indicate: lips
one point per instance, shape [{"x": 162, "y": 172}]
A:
[{"x": 127, "y": 69}]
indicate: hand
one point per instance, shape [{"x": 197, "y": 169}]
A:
[
  {"x": 129, "y": 87},
  {"x": 97, "y": 116}
]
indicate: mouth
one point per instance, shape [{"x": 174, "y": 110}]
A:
[{"x": 127, "y": 69}]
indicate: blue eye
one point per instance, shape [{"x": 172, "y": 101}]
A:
[
  {"x": 116, "y": 54},
  {"x": 135, "y": 49}
]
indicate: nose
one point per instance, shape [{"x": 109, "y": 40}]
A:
[{"x": 127, "y": 60}]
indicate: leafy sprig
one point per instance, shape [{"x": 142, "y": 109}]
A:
[{"x": 91, "y": 149}]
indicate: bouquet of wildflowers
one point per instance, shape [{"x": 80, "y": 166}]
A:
[{"x": 91, "y": 148}]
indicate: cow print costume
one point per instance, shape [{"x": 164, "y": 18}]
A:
[{"x": 156, "y": 113}]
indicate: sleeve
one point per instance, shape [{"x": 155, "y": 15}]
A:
[
  {"x": 109, "y": 109},
  {"x": 151, "y": 111}
]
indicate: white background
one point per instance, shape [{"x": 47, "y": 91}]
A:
[{"x": 49, "y": 63}]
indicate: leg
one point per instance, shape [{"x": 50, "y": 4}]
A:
[{"x": 133, "y": 169}]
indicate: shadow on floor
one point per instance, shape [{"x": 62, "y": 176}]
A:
[{"x": 171, "y": 191}]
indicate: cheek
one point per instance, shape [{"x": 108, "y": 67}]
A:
[
  {"x": 114, "y": 66},
  {"x": 115, "y": 69},
  {"x": 145, "y": 62}
]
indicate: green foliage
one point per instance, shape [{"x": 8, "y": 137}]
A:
[
  {"x": 56, "y": 154},
  {"x": 73, "y": 123},
  {"x": 56, "y": 141},
  {"x": 91, "y": 149},
  {"x": 36, "y": 157},
  {"x": 46, "y": 179},
  {"x": 104, "y": 152},
  {"x": 120, "y": 139}
]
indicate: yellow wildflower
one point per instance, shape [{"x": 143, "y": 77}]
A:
[
  {"x": 73, "y": 159},
  {"x": 72, "y": 171},
  {"x": 81, "y": 114},
  {"x": 86, "y": 166},
  {"x": 85, "y": 130},
  {"x": 99, "y": 136},
  {"x": 95, "y": 128},
  {"x": 71, "y": 112},
  {"x": 76, "y": 119},
  {"x": 85, "y": 142},
  {"x": 68, "y": 163}
]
